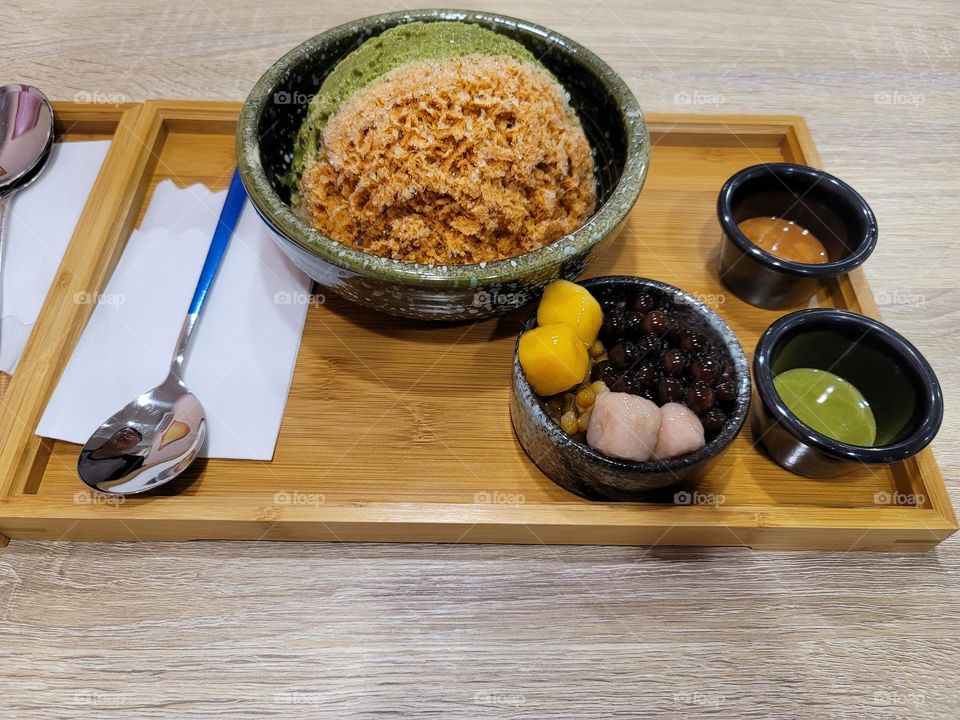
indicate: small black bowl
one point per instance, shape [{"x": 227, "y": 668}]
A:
[
  {"x": 892, "y": 375},
  {"x": 830, "y": 209},
  {"x": 574, "y": 465}
]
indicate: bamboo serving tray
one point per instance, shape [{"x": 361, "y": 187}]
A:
[{"x": 399, "y": 431}]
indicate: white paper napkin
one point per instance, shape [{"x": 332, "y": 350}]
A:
[
  {"x": 244, "y": 348},
  {"x": 40, "y": 222}
]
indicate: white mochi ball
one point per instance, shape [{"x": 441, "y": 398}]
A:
[
  {"x": 681, "y": 432},
  {"x": 624, "y": 426}
]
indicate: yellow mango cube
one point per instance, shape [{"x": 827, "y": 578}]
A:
[
  {"x": 553, "y": 357},
  {"x": 567, "y": 302}
]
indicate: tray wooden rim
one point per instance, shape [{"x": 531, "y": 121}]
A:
[{"x": 93, "y": 252}]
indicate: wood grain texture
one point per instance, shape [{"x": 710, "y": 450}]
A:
[{"x": 286, "y": 630}]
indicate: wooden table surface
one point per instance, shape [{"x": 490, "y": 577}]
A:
[{"x": 359, "y": 631}]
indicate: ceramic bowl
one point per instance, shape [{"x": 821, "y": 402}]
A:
[
  {"x": 277, "y": 105},
  {"x": 581, "y": 469},
  {"x": 894, "y": 378},
  {"x": 831, "y": 210}
]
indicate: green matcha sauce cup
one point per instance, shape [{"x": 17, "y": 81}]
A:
[{"x": 894, "y": 378}]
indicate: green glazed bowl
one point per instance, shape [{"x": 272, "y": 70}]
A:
[{"x": 276, "y": 106}]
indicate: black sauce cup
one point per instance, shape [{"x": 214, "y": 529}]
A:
[
  {"x": 896, "y": 380},
  {"x": 830, "y": 209}
]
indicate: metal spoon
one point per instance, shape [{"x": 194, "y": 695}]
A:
[
  {"x": 26, "y": 136},
  {"x": 158, "y": 434}
]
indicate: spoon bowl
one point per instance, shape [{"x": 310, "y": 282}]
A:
[
  {"x": 26, "y": 134},
  {"x": 148, "y": 442}
]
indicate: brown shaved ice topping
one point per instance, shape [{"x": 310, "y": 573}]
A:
[{"x": 463, "y": 161}]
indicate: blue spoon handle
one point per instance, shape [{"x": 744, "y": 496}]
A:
[{"x": 229, "y": 215}]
